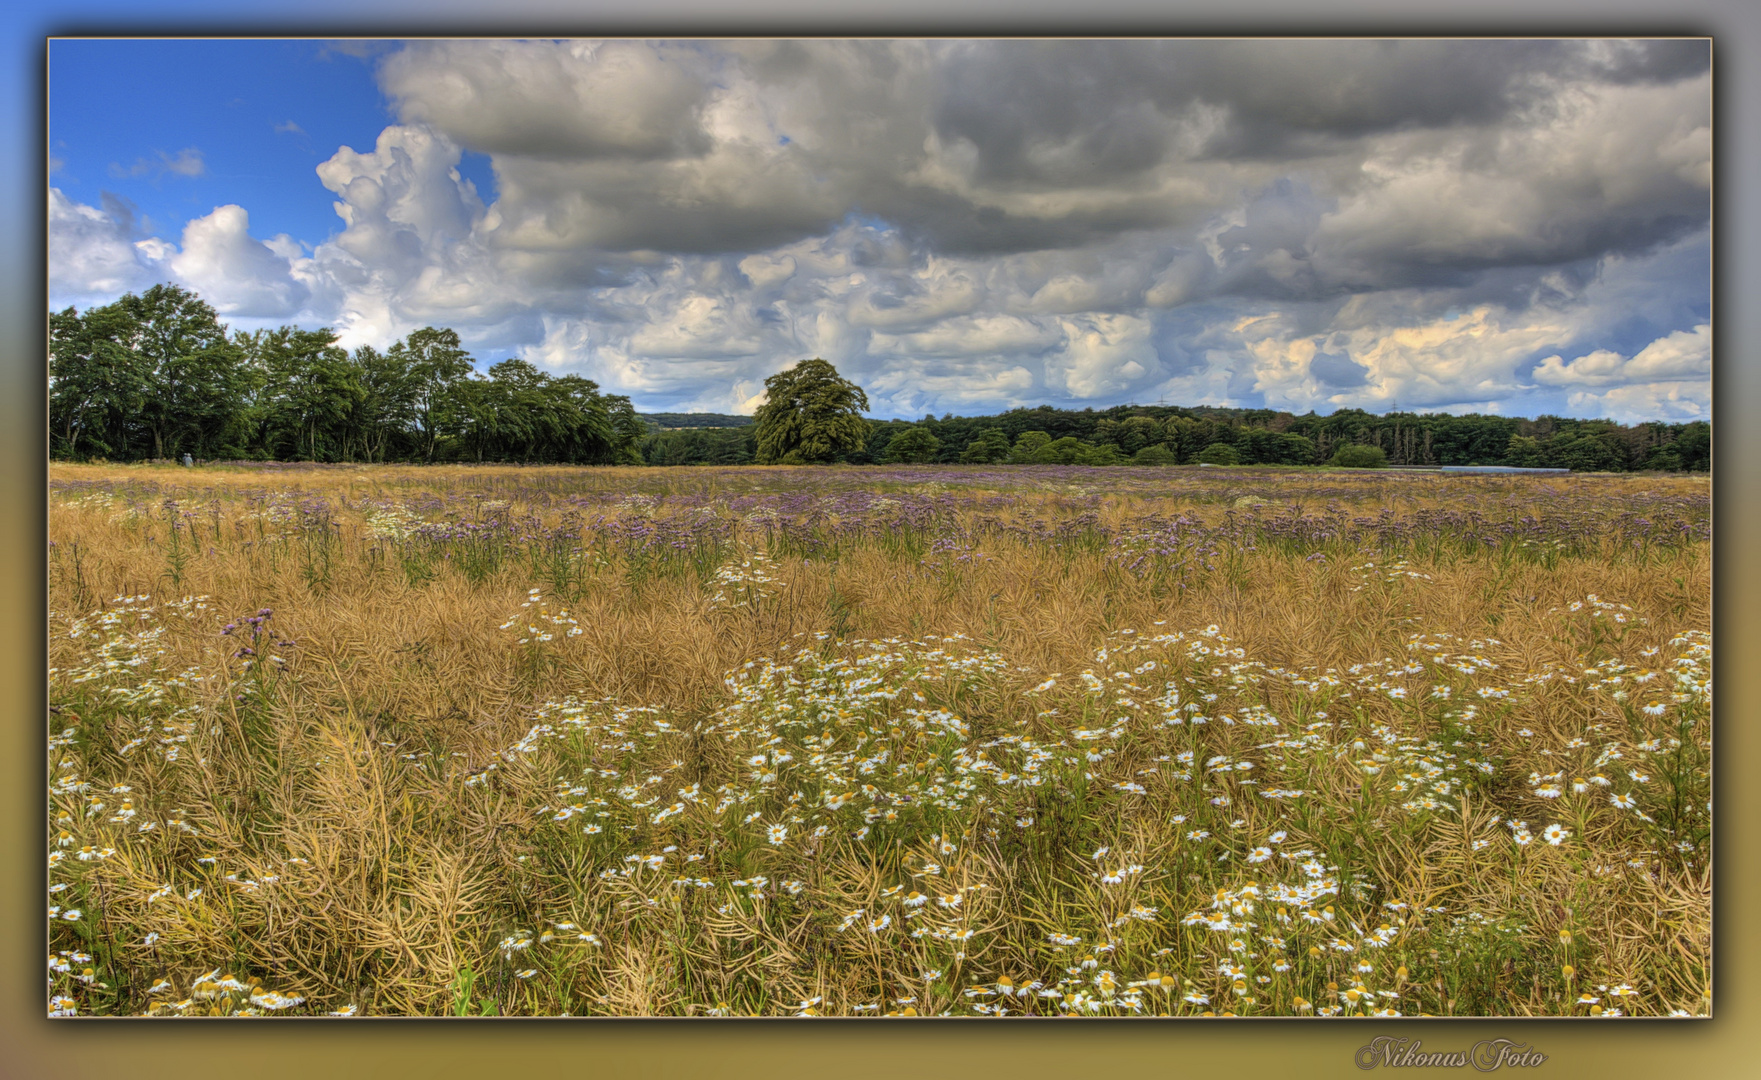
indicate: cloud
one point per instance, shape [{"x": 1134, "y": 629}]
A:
[
  {"x": 289, "y": 128},
  {"x": 572, "y": 100},
  {"x": 1683, "y": 355},
  {"x": 1601, "y": 170},
  {"x": 1435, "y": 159},
  {"x": 972, "y": 225},
  {"x": 354, "y": 48},
  {"x": 1676, "y": 402},
  {"x": 912, "y": 388},
  {"x": 1104, "y": 356},
  {"x": 187, "y": 163},
  {"x": 700, "y": 326},
  {"x": 1377, "y": 360},
  {"x": 93, "y": 253},
  {"x": 973, "y": 335},
  {"x": 411, "y": 251},
  {"x": 236, "y": 273}
]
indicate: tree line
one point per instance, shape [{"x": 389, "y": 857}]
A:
[
  {"x": 158, "y": 375},
  {"x": 1175, "y": 435},
  {"x": 1157, "y": 434}
]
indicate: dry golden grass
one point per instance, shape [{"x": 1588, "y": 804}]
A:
[{"x": 382, "y": 774}]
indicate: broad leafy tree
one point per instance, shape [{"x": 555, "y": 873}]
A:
[
  {"x": 627, "y": 430},
  {"x": 1029, "y": 446},
  {"x": 385, "y": 410},
  {"x": 811, "y": 415},
  {"x": 1359, "y": 456},
  {"x": 97, "y": 385},
  {"x": 519, "y": 413},
  {"x": 436, "y": 364},
  {"x": 311, "y": 388},
  {"x": 153, "y": 375},
  {"x": 915, "y": 445},
  {"x": 195, "y": 376},
  {"x": 991, "y": 446}
]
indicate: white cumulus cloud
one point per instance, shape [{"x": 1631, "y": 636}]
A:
[
  {"x": 235, "y": 272},
  {"x": 92, "y": 255},
  {"x": 1682, "y": 355}
]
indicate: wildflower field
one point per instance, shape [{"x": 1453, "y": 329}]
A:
[{"x": 1045, "y": 741}]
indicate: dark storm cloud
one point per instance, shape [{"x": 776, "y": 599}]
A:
[
  {"x": 1280, "y": 98},
  {"x": 553, "y": 100},
  {"x": 979, "y": 148},
  {"x": 1647, "y": 61}
]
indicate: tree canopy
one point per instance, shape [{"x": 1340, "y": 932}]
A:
[
  {"x": 1357, "y": 456},
  {"x": 913, "y": 446},
  {"x": 158, "y": 376},
  {"x": 811, "y": 415},
  {"x": 153, "y": 375}
]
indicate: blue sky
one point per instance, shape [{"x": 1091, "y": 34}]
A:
[
  {"x": 261, "y": 114},
  {"x": 1517, "y": 227}
]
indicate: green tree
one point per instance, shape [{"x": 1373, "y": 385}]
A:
[
  {"x": 697, "y": 446},
  {"x": 1059, "y": 451},
  {"x": 1028, "y": 446},
  {"x": 310, "y": 390},
  {"x": 811, "y": 415},
  {"x": 519, "y": 413},
  {"x": 153, "y": 375},
  {"x": 96, "y": 382},
  {"x": 991, "y": 446},
  {"x": 1187, "y": 436},
  {"x": 1137, "y": 432},
  {"x": 1664, "y": 459},
  {"x": 626, "y": 430},
  {"x": 1219, "y": 453},
  {"x": 1156, "y": 454},
  {"x": 385, "y": 409},
  {"x": 1523, "y": 452},
  {"x": 1359, "y": 456},
  {"x": 1583, "y": 453},
  {"x": 436, "y": 364},
  {"x": 1694, "y": 446},
  {"x": 1091, "y": 454},
  {"x": 1295, "y": 449},
  {"x": 481, "y": 420},
  {"x": 915, "y": 445},
  {"x": 194, "y": 372},
  {"x": 1257, "y": 446}
]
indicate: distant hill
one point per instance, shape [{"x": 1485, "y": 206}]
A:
[{"x": 673, "y": 421}]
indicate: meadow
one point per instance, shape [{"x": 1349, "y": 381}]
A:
[{"x": 987, "y": 741}]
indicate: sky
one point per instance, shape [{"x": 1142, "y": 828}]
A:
[{"x": 1510, "y": 226}]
